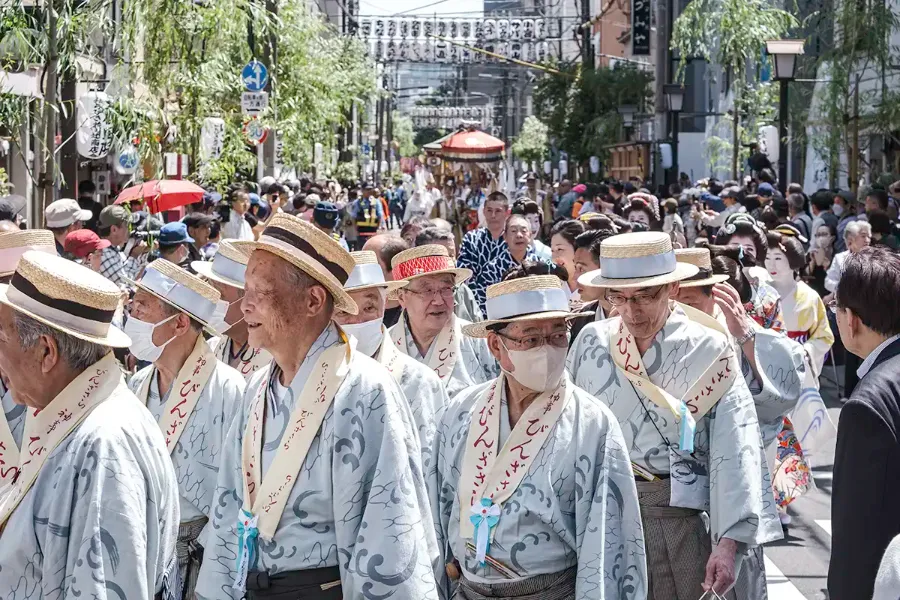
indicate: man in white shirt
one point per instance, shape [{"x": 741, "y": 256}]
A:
[{"x": 237, "y": 227}]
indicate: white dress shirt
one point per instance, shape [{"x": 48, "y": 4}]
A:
[
  {"x": 833, "y": 276},
  {"x": 237, "y": 228},
  {"x": 867, "y": 364}
]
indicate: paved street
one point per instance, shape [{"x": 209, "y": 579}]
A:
[{"x": 797, "y": 567}]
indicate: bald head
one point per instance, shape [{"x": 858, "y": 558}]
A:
[
  {"x": 442, "y": 224},
  {"x": 386, "y": 247}
]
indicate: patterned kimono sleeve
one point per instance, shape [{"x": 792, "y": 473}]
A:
[
  {"x": 741, "y": 502},
  {"x": 821, "y": 338},
  {"x": 100, "y": 545},
  {"x": 220, "y": 545},
  {"x": 468, "y": 252},
  {"x": 381, "y": 525},
  {"x": 611, "y": 560},
  {"x": 781, "y": 365}
]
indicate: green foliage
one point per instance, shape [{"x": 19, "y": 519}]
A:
[
  {"x": 860, "y": 53},
  {"x": 428, "y": 135},
  {"x": 531, "y": 144},
  {"x": 404, "y": 138},
  {"x": 580, "y": 107},
  {"x": 733, "y": 34},
  {"x": 4, "y": 182}
]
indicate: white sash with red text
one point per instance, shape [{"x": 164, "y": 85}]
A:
[
  {"x": 46, "y": 429},
  {"x": 265, "y": 497},
  {"x": 9, "y": 454},
  {"x": 489, "y": 472},
  {"x": 192, "y": 378},
  {"x": 445, "y": 346},
  {"x": 707, "y": 389},
  {"x": 258, "y": 358},
  {"x": 389, "y": 358}
]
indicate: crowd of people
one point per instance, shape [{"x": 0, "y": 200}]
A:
[{"x": 579, "y": 391}]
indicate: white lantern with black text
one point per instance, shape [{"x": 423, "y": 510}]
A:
[{"x": 94, "y": 134}]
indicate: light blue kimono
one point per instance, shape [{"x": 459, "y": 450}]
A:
[
  {"x": 726, "y": 475},
  {"x": 576, "y": 507},
  {"x": 196, "y": 454},
  {"x": 359, "y": 501},
  {"x": 102, "y": 517}
]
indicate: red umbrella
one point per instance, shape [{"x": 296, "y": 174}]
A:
[
  {"x": 472, "y": 145},
  {"x": 164, "y": 194}
]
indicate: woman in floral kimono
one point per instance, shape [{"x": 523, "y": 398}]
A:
[{"x": 806, "y": 322}]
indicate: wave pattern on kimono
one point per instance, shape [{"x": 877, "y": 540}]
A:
[
  {"x": 197, "y": 453},
  {"x": 102, "y": 516},
  {"x": 576, "y": 506},
  {"x": 726, "y": 474},
  {"x": 359, "y": 500},
  {"x": 474, "y": 365}
]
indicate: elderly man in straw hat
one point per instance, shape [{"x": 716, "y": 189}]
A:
[
  {"x": 94, "y": 506},
  {"x": 428, "y": 330},
  {"x": 674, "y": 385},
  {"x": 538, "y": 499},
  {"x": 192, "y": 395},
  {"x": 320, "y": 491},
  {"x": 12, "y": 418},
  {"x": 773, "y": 365},
  {"x": 226, "y": 272}
]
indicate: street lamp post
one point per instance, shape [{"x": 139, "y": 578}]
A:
[
  {"x": 675, "y": 101},
  {"x": 784, "y": 53},
  {"x": 627, "y": 112}
]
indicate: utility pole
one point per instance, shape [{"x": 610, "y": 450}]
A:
[
  {"x": 853, "y": 171},
  {"x": 587, "y": 49},
  {"x": 379, "y": 133}
]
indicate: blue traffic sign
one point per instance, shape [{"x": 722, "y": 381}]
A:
[{"x": 255, "y": 76}]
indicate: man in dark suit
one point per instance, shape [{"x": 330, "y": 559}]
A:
[{"x": 865, "y": 507}]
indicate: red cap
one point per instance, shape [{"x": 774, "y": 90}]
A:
[{"x": 82, "y": 242}]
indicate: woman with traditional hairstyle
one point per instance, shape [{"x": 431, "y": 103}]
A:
[
  {"x": 643, "y": 208},
  {"x": 806, "y": 322},
  {"x": 743, "y": 231},
  {"x": 562, "y": 245}
]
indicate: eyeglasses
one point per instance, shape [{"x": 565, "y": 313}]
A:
[
  {"x": 832, "y": 305},
  {"x": 559, "y": 339},
  {"x": 444, "y": 293},
  {"x": 638, "y": 299}
]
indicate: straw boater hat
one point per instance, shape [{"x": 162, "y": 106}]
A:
[
  {"x": 701, "y": 259},
  {"x": 534, "y": 298},
  {"x": 228, "y": 266},
  {"x": 16, "y": 243},
  {"x": 312, "y": 251},
  {"x": 637, "y": 260},
  {"x": 430, "y": 259},
  {"x": 179, "y": 289},
  {"x": 367, "y": 274},
  {"x": 66, "y": 296}
]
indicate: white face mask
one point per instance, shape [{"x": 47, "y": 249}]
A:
[
  {"x": 837, "y": 209},
  {"x": 538, "y": 369},
  {"x": 141, "y": 334},
  {"x": 368, "y": 335},
  {"x": 217, "y": 322},
  {"x": 824, "y": 242}
]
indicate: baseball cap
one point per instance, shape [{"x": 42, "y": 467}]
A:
[
  {"x": 254, "y": 198},
  {"x": 325, "y": 214},
  {"x": 765, "y": 189},
  {"x": 82, "y": 242},
  {"x": 113, "y": 215},
  {"x": 173, "y": 234},
  {"x": 64, "y": 212}
]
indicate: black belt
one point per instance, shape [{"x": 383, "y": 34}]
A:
[{"x": 318, "y": 584}]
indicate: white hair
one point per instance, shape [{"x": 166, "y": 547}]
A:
[
  {"x": 854, "y": 228},
  {"x": 77, "y": 353}
]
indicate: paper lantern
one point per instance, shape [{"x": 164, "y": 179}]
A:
[
  {"x": 212, "y": 138},
  {"x": 94, "y": 135}
]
